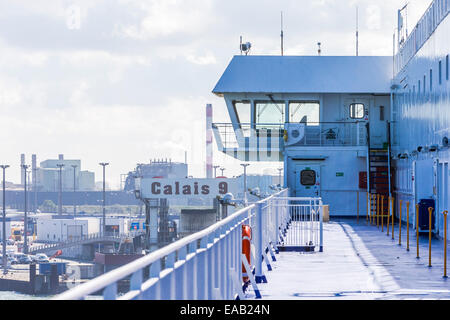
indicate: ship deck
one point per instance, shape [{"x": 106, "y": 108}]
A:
[{"x": 359, "y": 262}]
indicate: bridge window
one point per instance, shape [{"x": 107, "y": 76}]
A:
[
  {"x": 304, "y": 111},
  {"x": 357, "y": 111},
  {"x": 308, "y": 177},
  {"x": 269, "y": 113},
  {"x": 243, "y": 112}
]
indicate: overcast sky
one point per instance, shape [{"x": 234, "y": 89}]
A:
[{"x": 126, "y": 81}]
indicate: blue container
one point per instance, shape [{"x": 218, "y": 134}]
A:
[{"x": 45, "y": 268}]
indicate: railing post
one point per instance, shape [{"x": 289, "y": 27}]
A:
[
  {"x": 277, "y": 224},
  {"x": 407, "y": 226},
  {"x": 445, "y": 213},
  {"x": 321, "y": 226},
  {"x": 430, "y": 212},
  {"x": 259, "y": 276},
  {"x": 417, "y": 230}
]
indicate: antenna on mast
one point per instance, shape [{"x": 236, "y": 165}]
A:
[
  {"x": 357, "y": 32},
  {"x": 282, "y": 35},
  {"x": 240, "y": 46}
]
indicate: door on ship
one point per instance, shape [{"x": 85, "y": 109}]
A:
[{"x": 307, "y": 180}]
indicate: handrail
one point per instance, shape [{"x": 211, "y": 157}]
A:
[
  {"x": 425, "y": 27},
  {"x": 282, "y": 124},
  {"x": 122, "y": 272}
]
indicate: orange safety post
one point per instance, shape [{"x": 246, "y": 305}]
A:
[
  {"x": 382, "y": 213},
  {"x": 417, "y": 230},
  {"x": 246, "y": 247},
  {"x": 392, "y": 208},
  {"x": 430, "y": 212},
  {"x": 445, "y": 243},
  {"x": 407, "y": 226},
  {"x": 389, "y": 215},
  {"x": 378, "y": 210},
  {"x": 400, "y": 224}
]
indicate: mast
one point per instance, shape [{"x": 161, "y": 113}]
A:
[
  {"x": 282, "y": 35},
  {"x": 357, "y": 32}
]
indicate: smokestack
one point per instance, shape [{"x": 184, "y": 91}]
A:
[
  {"x": 22, "y": 174},
  {"x": 33, "y": 170},
  {"x": 209, "y": 141}
]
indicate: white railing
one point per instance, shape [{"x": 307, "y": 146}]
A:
[
  {"x": 270, "y": 136},
  {"x": 305, "y": 223},
  {"x": 433, "y": 16},
  {"x": 205, "y": 265}
]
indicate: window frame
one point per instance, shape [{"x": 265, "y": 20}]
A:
[
  {"x": 350, "y": 110},
  {"x": 234, "y": 102},
  {"x": 299, "y": 102},
  {"x": 301, "y": 178},
  {"x": 282, "y": 103}
]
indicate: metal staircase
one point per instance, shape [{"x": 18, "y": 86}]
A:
[
  {"x": 379, "y": 178},
  {"x": 379, "y": 171}
]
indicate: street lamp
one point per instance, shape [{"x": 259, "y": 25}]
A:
[
  {"x": 104, "y": 164},
  {"x": 5, "y": 259},
  {"x": 60, "y": 166},
  {"x": 25, "y": 219},
  {"x": 215, "y": 169},
  {"x": 74, "y": 166},
  {"x": 245, "y": 165},
  {"x": 222, "y": 169}
]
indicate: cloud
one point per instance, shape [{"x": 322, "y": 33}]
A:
[{"x": 373, "y": 17}]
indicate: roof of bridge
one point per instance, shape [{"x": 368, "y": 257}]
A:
[{"x": 306, "y": 74}]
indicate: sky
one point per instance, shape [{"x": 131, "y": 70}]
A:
[{"x": 126, "y": 81}]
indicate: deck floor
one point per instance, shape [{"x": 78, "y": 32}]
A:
[{"x": 359, "y": 262}]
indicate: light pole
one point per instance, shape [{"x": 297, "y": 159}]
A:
[
  {"x": 60, "y": 166},
  {"x": 74, "y": 166},
  {"x": 279, "y": 176},
  {"x": 222, "y": 169},
  {"x": 104, "y": 164},
  {"x": 245, "y": 165},
  {"x": 5, "y": 259},
  {"x": 25, "y": 219},
  {"x": 215, "y": 170}
]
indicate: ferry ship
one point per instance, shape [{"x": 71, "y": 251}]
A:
[{"x": 366, "y": 136}]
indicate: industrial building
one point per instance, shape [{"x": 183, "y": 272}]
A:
[
  {"x": 157, "y": 168},
  {"x": 45, "y": 178},
  {"x": 57, "y": 229}
]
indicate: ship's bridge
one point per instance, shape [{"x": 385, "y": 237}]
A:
[{"x": 301, "y": 101}]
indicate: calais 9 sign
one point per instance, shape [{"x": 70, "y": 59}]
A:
[{"x": 187, "y": 188}]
